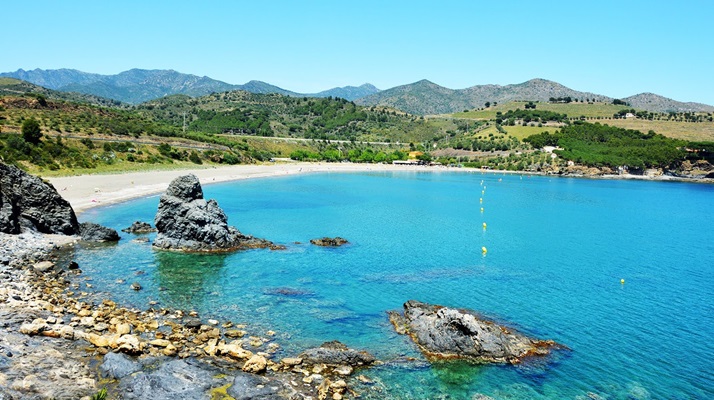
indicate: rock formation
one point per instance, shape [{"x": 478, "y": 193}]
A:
[
  {"x": 448, "y": 333},
  {"x": 92, "y": 232},
  {"x": 186, "y": 221},
  {"x": 139, "y": 227},
  {"x": 336, "y": 353},
  {"x": 28, "y": 203},
  {"x": 329, "y": 242}
]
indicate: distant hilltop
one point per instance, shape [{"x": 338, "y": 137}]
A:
[{"x": 422, "y": 97}]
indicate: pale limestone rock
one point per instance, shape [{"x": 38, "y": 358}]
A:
[{"x": 255, "y": 364}]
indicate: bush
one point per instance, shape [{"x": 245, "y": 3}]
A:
[
  {"x": 195, "y": 158},
  {"x": 31, "y": 131}
]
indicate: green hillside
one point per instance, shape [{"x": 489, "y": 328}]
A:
[{"x": 241, "y": 127}]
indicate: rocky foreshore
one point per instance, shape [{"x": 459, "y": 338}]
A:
[{"x": 55, "y": 343}]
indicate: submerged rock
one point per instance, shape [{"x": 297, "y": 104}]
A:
[
  {"x": 448, "y": 333},
  {"x": 28, "y": 203},
  {"x": 186, "y": 221},
  {"x": 329, "y": 242}
]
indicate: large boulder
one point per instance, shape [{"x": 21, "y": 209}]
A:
[
  {"x": 92, "y": 232},
  {"x": 28, "y": 203},
  {"x": 448, "y": 333},
  {"x": 186, "y": 221}
]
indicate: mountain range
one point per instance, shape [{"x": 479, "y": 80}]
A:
[
  {"x": 422, "y": 97},
  {"x": 140, "y": 85}
]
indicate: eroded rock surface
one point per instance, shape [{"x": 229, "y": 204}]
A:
[
  {"x": 336, "y": 353},
  {"x": 449, "y": 333},
  {"x": 186, "y": 221},
  {"x": 28, "y": 203}
]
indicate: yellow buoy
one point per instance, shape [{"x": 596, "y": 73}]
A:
[
  {"x": 484, "y": 225},
  {"x": 480, "y": 200},
  {"x": 481, "y": 209},
  {"x": 483, "y": 250},
  {"x": 622, "y": 281},
  {"x": 483, "y": 192}
]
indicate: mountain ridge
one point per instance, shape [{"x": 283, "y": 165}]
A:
[
  {"x": 140, "y": 85},
  {"x": 422, "y": 97}
]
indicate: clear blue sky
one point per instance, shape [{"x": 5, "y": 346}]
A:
[{"x": 616, "y": 48}]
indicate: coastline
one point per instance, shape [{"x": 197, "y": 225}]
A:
[
  {"x": 21, "y": 291},
  {"x": 88, "y": 191}
]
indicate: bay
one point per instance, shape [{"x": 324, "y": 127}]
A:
[{"x": 557, "y": 250}]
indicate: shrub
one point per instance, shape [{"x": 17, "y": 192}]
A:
[{"x": 31, "y": 131}]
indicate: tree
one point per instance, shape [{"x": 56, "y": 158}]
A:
[
  {"x": 488, "y": 104},
  {"x": 31, "y": 131}
]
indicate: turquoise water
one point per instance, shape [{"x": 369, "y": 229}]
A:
[{"x": 557, "y": 250}]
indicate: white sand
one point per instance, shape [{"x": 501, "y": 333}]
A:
[{"x": 86, "y": 191}]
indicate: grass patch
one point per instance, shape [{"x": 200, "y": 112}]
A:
[
  {"x": 693, "y": 131},
  {"x": 520, "y": 132}
]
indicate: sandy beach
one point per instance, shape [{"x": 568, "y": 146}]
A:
[{"x": 86, "y": 191}]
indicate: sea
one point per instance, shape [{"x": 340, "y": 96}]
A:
[{"x": 620, "y": 272}]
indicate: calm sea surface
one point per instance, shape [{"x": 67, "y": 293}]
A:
[{"x": 557, "y": 250}]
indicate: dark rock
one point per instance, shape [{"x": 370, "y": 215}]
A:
[
  {"x": 92, "y": 232},
  {"x": 329, "y": 242},
  {"x": 135, "y": 286},
  {"x": 249, "y": 386},
  {"x": 117, "y": 366},
  {"x": 192, "y": 324},
  {"x": 448, "y": 333},
  {"x": 185, "y": 221},
  {"x": 336, "y": 353},
  {"x": 175, "y": 379},
  {"x": 28, "y": 203},
  {"x": 73, "y": 265},
  {"x": 139, "y": 227}
]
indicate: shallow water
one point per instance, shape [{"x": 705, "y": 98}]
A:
[{"x": 557, "y": 250}]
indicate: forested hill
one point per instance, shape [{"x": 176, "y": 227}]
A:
[{"x": 15, "y": 87}]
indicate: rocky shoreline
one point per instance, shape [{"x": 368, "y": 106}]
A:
[{"x": 55, "y": 345}]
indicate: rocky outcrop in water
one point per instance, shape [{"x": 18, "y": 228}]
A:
[
  {"x": 92, "y": 232},
  {"x": 28, "y": 203},
  {"x": 186, "y": 221},
  {"x": 139, "y": 227},
  {"x": 329, "y": 242},
  {"x": 448, "y": 333},
  {"x": 336, "y": 353}
]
